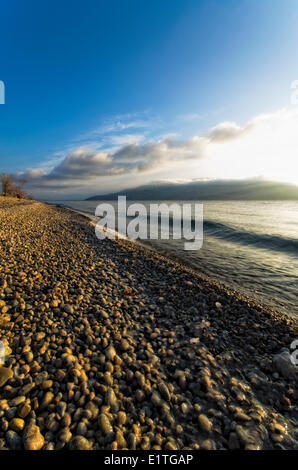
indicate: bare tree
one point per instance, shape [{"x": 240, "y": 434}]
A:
[
  {"x": 10, "y": 188},
  {"x": 17, "y": 191},
  {"x": 7, "y": 184}
]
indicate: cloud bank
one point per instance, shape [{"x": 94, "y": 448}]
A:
[{"x": 86, "y": 164}]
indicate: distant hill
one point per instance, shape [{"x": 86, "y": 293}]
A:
[{"x": 247, "y": 190}]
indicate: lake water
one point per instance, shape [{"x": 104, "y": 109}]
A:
[{"x": 249, "y": 246}]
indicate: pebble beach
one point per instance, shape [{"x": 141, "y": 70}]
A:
[{"x": 109, "y": 345}]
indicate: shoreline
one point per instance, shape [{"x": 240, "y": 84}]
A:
[
  {"x": 111, "y": 345},
  {"x": 184, "y": 264}
]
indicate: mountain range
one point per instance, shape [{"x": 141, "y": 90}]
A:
[{"x": 208, "y": 190}]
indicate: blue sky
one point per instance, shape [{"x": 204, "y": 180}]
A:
[{"x": 91, "y": 78}]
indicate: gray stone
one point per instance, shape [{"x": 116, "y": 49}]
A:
[{"x": 283, "y": 364}]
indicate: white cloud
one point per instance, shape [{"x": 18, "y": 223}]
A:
[
  {"x": 228, "y": 131},
  {"x": 266, "y": 145},
  {"x": 118, "y": 125},
  {"x": 189, "y": 117}
]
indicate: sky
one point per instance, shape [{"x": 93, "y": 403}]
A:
[{"x": 102, "y": 95}]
